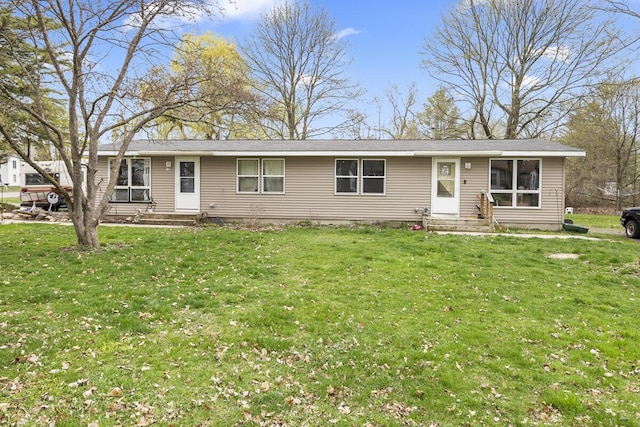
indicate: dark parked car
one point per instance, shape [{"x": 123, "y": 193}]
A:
[{"x": 630, "y": 220}]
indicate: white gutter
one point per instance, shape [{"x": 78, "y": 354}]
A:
[
  {"x": 457, "y": 153},
  {"x": 543, "y": 154},
  {"x": 351, "y": 153}
]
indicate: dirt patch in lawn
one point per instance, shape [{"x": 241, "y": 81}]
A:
[{"x": 563, "y": 256}]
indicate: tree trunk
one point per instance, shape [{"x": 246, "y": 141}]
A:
[{"x": 85, "y": 222}]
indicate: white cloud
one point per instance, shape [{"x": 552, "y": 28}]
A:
[
  {"x": 246, "y": 9},
  {"x": 346, "y": 33},
  {"x": 559, "y": 53},
  {"x": 530, "y": 81}
]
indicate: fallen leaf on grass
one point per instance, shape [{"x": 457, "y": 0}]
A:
[
  {"x": 27, "y": 358},
  {"x": 115, "y": 392}
]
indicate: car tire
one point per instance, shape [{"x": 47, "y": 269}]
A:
[{"x": 632, "y": 229}]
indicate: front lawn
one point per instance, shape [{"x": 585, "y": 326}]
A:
[
  {"x": 316, "y": 326},
  {"x": 597, "y": 222}
]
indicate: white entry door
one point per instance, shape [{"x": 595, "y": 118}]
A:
[
  {"x": 445, "y": 188},
  {"x": 188, "y": 184}
]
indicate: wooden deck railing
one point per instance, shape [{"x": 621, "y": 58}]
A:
[{"x": 486, "y": 206}]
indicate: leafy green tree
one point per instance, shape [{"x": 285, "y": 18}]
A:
[
  {"x": 607, "y": 127},
  {"x": 21, "y": 66},
  {"x": 441, "y": 118},
  {"x": 226, "y": 101}
]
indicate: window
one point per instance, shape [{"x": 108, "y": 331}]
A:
[
  {"x": 14, "y": 164},
  {"x": 133, "y": 183},
  {"x": 273, "y": 176},
  {"x": 37, "y": 179},
  {"x": 187, "y": 171},
  {"x": 347, "y": 176},
  {"x": 370, "y": 172},
  {"x": 260, "y": 176},
  {"x": 516, "y": 182}
]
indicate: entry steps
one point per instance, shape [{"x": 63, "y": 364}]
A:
[
  {"x": 171, "y": 218},
  {"x": 476, "y": 225}
]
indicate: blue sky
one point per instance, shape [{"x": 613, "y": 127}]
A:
[{"x": 385, "y": 39}]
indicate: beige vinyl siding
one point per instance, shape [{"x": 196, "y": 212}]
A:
[
  {"x": 473, "y": 182},
  {"x": 550, "y": 213},
  {"x": 163, "y": 183},
  {"x": 310, "y": 192}
]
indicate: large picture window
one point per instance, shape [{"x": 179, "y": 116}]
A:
[
  {"x": 516, "y": 182},
  {"x": 133, "y": 183},
  {"x": 366, "y": 176},
  {"x": 260, "y": 176}
]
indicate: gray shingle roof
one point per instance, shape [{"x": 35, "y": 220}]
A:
[{"x": 334, "y": 147}]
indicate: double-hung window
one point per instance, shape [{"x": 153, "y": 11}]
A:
[
  {"x": 260, "y": 176},
  {"x": 360, "y": 176},
  {"x": 133, "y": 183},
  {"x": 516, "y": 182}
]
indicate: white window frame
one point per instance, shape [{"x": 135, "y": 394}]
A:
[
  {"x": 515, "y": 191},
  {"x": 365, "y": 177},
  {"x": 129, "y": 187},
  {"x": 360, "y": 177},
  {"x": 337, "y": 177},
  {"x": 264, "y": 176},
  {"x": 260, "y": 176},
  {"x": 255, "y": 176}
]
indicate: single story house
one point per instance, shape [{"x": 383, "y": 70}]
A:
[{"x": 334, "y": 181}]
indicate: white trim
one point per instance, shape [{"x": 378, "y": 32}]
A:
[
  {"x": 360, "y": 178},
  {"x": 345, "y": 154},
  {"x": 192, "y": 201},
  {"x": 130, "y": 187},
  {"x": 263, "y": 176},
  {"x": 542, "y": 154},
  {"x": 256, "y": 176},
  {"x": 449, "y": 206},
  {"x": 260, "y": 176},
  {"x": 515, "y": 192}
]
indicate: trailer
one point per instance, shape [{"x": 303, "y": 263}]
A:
[{"x": 37, "y": 192}]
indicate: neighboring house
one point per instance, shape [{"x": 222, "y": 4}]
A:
[
  {"x": 10, "y": 170},
  {"x": 332, "y": 181}
]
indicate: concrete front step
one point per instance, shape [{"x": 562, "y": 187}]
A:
[
  {"x": 170, "y": 218},
  {"x": 457, "y": 224}
]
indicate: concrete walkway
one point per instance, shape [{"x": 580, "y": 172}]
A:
[
  {"x": 528, "y": 235},
  {"x": 460, "y": 233}
]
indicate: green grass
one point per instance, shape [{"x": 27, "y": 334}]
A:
[
  {"x": 601, "y": 222},
  {"x": 316, "y": 326}
]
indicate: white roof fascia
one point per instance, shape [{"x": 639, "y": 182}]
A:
[
  {"x": 457, "y": 153},
  {"x": 314, "y": 153},
  {"x": 543, "y": 154},
  {"x": 115, "y": 153},
  {"x": 351, "y": 153}
]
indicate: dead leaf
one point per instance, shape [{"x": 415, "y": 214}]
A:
[{"x": 115, "y": 392}]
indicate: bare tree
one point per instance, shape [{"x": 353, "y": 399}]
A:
[
  {"x": 298, "y": 60},
  {"x": 513, "y": 62},
  {"x": 98, "y": 53},
  {"x": 404, "y": 124}
]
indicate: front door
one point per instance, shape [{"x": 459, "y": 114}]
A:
[
  {"x": 188, "y": 184},
  {"x": 445, "y": 191}
]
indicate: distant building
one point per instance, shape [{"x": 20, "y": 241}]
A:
[{"x": 10, "y": 170}]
